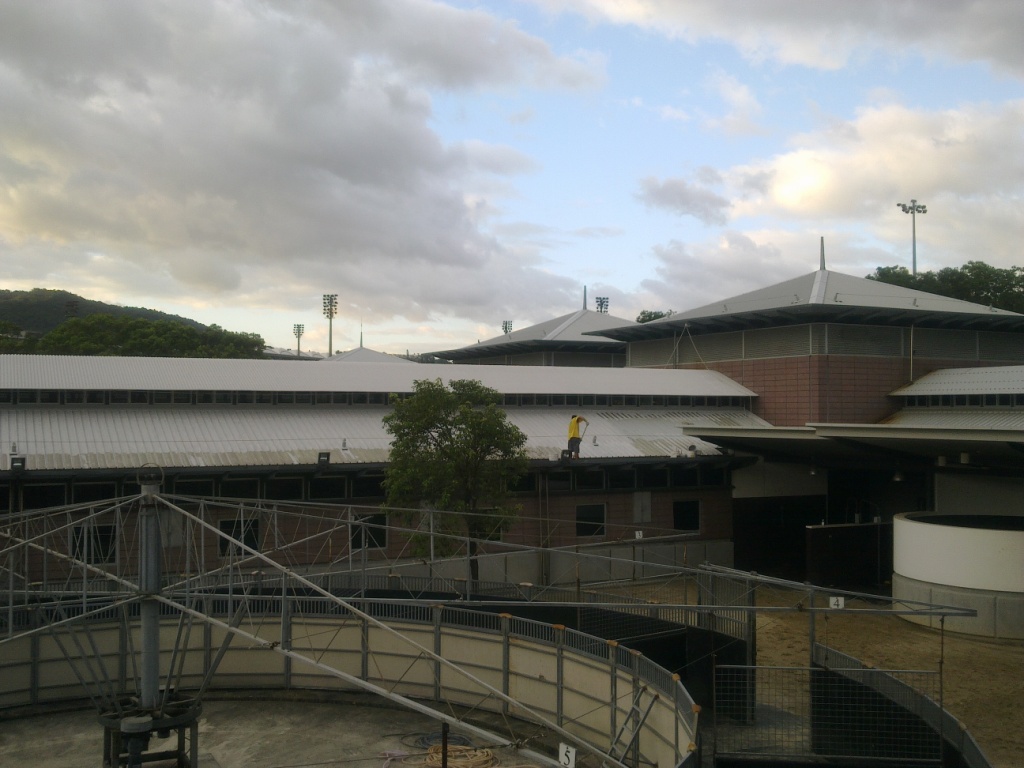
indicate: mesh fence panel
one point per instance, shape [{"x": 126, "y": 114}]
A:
[{"x": 859, "y": 714}]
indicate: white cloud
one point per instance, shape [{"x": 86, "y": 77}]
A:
[
  {"x": 744, "y": 109},
  {"x": 263, "y": 153},
  {"x": 826, "y": 35},
  {"x": 684, "y": 199}
]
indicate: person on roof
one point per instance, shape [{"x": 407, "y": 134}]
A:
[{"x": 574, "y": 435}]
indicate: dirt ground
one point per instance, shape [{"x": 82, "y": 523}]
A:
[{"x": 982, "y": 679}]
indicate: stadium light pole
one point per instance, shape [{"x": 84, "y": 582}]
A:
[
  {"x": 298, "y": 329},
  {"x": 913, "y": 209},
  {"x": 330, "y": 312}
]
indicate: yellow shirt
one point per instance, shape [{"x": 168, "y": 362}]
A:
[{"x": 574, "y": 426}]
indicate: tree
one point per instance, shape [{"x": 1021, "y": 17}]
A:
[
  {"x": 647, "y": 315},
  {"x": 975, "y": 281},
  {"x": 454, "y": 450},
  {"x": 136, "y": 337}
]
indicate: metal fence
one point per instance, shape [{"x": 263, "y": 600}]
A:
[{"x": 870, "y": 715}]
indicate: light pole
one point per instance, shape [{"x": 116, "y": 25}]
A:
[
  {"x": 913, "y": 209},
  {"x": 330, "y": 312},
  {"x": 298, "y": 329}
]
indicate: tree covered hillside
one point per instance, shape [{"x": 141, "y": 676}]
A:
[{"x": 60, "y": 323}]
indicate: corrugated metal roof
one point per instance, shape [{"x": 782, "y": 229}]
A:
[
  {"x": 822, "y": 296},
  {"x": 115, "y": 438},
  {"x": 192, "y": 374},
  {"x": 997, "y": 380},
  {"x": 582, "y": 327},
  {"x": 1011, "y": 419},
  {"x": 365, "y": 355}
]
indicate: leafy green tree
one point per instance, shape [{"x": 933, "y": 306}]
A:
[
  {"x": 975, "y": 281},
  {"x": 454, "y": 449},
  {"x": 136, "y": 337},
  {"x": 647, "y": 315}
]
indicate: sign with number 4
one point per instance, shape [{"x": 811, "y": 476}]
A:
[{"x": 837, "y": 602}]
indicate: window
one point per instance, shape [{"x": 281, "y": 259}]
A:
[
  {"x": 589, "y": 480},
  {"x": 240, "y": 487},
  {"x": 83, "y": 492},
  {"x": 42, "y": 496},
  {"x": 303, "y": 398},
  {"x": 560, "y": 480},
  {"x": 246, "y": 531},
  {"x": 193, "y": 486},
  {"x": 622, "y": 479},
  {"x": 93, "y": 543},
  {"x": 590, "y": 520},
  {"x": 182, "y": 398},
  {"x": 139, "y": 397},
  {"x": 712, "y": 477},
  {"x": 284, "y": 488},
  {"x": 369, "y": 484},
  {"x": 686, "y": 515},
  {"x": 653, "y": 477},
  {"x": 370, "y": 532},
  {"x": 684, "y": 477},
  {"x": 327, "y": 487}
]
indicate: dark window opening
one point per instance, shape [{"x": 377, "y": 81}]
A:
[
  {"x": 622, "y": 479},
  {"x": 590, "y": 520},
  {"x": 94, "y": 543},
  {"x": 284, "y": 488},
  {"x": 370, "y": 532},
  {"x": 370, "y": 485},
  {"x": 686, "y": 515},
  {"x": 589, "y": 480},
  {"x": 240, "y": 487},
  {"x": 85, "y": 492},
  {"x": 246, "y": 531},
  {"x": 327, "y": 487}
]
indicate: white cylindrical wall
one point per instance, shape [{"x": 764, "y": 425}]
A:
[{"x": 958, "y": 556}]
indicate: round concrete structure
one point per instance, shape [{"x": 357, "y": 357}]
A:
[{"x": 966, "y": 560}]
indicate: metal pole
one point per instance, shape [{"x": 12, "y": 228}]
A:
[
  {"x": 149, "y": 587},
  {"x": 913, "y": 233}
]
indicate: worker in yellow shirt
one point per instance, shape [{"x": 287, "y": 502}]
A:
[{"x": 575, "y": 438}]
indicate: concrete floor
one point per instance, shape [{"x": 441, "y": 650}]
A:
[{"x": 267, "y": 733}]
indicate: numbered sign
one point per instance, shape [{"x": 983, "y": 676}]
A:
[
  {"x": 566, "y": 756},
  {"x": 638, "y": 534},
  {"x": 836, "y": 602}
]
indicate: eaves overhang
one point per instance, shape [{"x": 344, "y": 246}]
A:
[
  {"x": 875, "y": 445},
  {"x": 802, "y": 314}
]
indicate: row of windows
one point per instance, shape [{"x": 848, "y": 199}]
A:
[
  {"x": 151, "y": 397},
  {"x": 362, "y": 486},
  {"x": 590, "y": 518},
  {"x": 949, "y": 401},
  {"x": 97, "y": 543}
]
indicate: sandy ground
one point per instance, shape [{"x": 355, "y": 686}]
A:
[{"x": 982, "y": 680}]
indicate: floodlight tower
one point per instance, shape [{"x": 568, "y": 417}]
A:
[
  {"x": 602, "y": 304},
  {"x": 298, "y": 329},
  {"x": 330, "y": 312},
  {"x": 913, "y": 208},
  {"x": 506, "y": 327}
]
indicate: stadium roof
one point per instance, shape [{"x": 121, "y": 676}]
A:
[
  {"x": 215, "y": 437},
  {"x": 580, "y": 330},
  {"x": 825, "y": 296},
  {"x": 53, "y": 372},
  {"x": 995, "y": 380}
]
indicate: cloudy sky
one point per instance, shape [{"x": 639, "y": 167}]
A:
[{"x": 445, "y": 166}]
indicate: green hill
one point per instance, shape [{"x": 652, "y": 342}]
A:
[{"x": 41, "y": 310}]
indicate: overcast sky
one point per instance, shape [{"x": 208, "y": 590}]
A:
[{"x": 446, "y": 166}]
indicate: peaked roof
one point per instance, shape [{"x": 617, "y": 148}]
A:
[
  {"x": 365, "y": 355},
  {"x": 581, "y": 330},
  {"x": 826, "y": 296}
]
